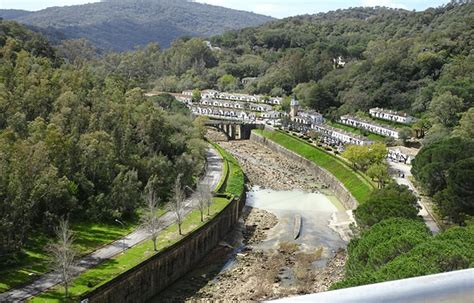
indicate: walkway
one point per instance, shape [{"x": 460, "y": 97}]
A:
[
  {"x": 212, "y": 176},
  {"x": 405, "y": 169}
]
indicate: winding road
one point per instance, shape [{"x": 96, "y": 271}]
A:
[{"x": 212, "y": 176}]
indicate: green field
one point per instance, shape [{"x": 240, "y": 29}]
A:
[
  {"x": 232, "y": 182},
  {"x": 357, "y": 184}
]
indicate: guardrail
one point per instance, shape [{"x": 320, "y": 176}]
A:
[{"x": 452, "y": 287}]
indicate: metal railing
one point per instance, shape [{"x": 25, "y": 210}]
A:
[{"x": 452, "y": 287}]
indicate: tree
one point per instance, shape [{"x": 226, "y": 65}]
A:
[
  {"x": 379, "y": 172},
  {"x": 444, "y": 109},
  {"x": 227, "y": 83},
  {"x": 393, "y": 201},
  {"x": 150, "y": 220},
  {"x": 456, "y": 201},
  {"x": 382, "y": 243},
  {"x": 444, "y": 170},
  {"x": 196, "y": 97},
  {"x": 204, "y": 197},
  {"x": 177, "y": 202},
  {"x": 358, "y": 155},
  {"x": 405, "y": 134},
  {"x": 63, "y": 254},
  {"x": 362, "y": 156},
  {"x": 465, "y": 128}
]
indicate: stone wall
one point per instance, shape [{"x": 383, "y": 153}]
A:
[
  {"x": 146, "y": 280},
  {"x": 341, "y": 193}
]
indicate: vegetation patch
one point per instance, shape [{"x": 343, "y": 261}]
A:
[
  {"x": 97, "y": 276},
  {"x": 354, "y": 181}
]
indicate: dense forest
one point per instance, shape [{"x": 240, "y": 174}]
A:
[
  {"x": 121, "y": 25},
  {"x": 79, "y": 142}
]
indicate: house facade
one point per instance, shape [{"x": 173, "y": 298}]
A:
[
  {"x": 402, "y": 154},
  {"x": 390, "y": 115},
  {"x": 335, "y": 136},
  {"x": 214, "y": 94},
  {"x": 369, "y": 126}
]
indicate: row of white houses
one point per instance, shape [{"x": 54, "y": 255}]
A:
[
  {"x": 391, "y": 115},
  {"x": 214, "y": 94},
  {"x": 335, "y": 136},
  {"x": 223, "y": 113},
  {"x": 369, "y": 126},
  {"x": 237, "y": 105}
]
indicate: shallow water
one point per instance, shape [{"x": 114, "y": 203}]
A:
[{"x": 315, "y": 209}]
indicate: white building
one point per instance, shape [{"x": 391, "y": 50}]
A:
[
  {"x": 369, "y": 126},
  {"x": 334, "y": 136},
  {"x": 271, "y": 115},
  {"x": 390, "y": 115},
  {"x": 214, "y": 94},
  {"x": 223, "y": 113},
  {"x": 308, "y": 118},
  {"x": 402, "y": 154}
]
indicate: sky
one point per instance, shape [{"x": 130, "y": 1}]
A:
[{"x": 275, "y": 8}]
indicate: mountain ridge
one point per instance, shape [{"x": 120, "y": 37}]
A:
[{"x": 124, "y": 24}]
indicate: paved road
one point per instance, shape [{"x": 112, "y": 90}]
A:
[
  {"x": 405, "y": 169},
  {"x": 212, "y": 176}
]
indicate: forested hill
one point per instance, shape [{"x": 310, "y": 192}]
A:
[
  {"x": 418, "y": 62},
  {"x": 123, "y": 24},
  {"x": 79, "y": 142}
]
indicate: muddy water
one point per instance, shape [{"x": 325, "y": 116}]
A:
[{"x": 316, "y": 211}]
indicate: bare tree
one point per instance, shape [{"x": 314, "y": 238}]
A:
[
  {"x": 177, "y": 202},
  {"x": 204, "y": 197},
  {"x": 149, "y": 220},
  {"x": 63, "y": 254}
]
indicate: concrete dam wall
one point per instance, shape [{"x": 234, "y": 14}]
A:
[
  {"x": 341, "y": 193},
  {"x": 146, "y": 280}
]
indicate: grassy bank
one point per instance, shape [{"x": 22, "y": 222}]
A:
[
  {"x": 234, "y": 183},
  {"x": 231, "y": 182},
  {"x": 357, "y": 184},
  {"x": 34, "y": 259}
]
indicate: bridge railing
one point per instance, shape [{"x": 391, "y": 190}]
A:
[{"x": 453, "y": 287}]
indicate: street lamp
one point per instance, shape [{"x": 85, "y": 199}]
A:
[{"x": 123, "y": 239}]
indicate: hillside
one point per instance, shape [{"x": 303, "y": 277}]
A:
[
  {"x": 123, "y": 24},
  {"x": 418, "y": 62}
]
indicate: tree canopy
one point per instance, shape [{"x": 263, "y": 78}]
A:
[{"x": 79, "y": 142}]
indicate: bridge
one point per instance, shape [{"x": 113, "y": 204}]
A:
[{"x": 234, "y": 130}]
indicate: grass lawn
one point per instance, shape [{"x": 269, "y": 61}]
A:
[
  {"x": 356, "y": 131},
  {"x": 34, "y": 259},
  {"x": 109, "y": 269},
  {"x": 232, "y": 182},
  {"x": 357, "y": 184}
]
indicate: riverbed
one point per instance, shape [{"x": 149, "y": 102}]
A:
[{"x": 261, "y": 259}]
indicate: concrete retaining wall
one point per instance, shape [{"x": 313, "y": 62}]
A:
[
  {"x": 146, "y": 280},
  {"x": 341, "y": 193}
]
